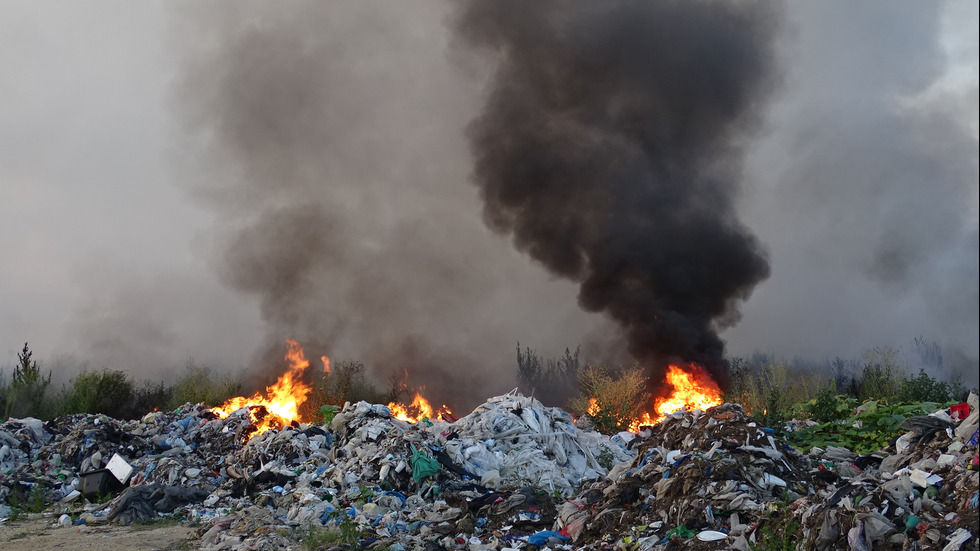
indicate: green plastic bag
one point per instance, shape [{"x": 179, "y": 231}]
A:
[
  {"x": 423, "y": 465},
  {"x": 681, "y": 531}
]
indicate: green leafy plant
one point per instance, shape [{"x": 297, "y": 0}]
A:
[
  {"x": 327, "y": 412},
  {"x": 777, "y": 537},
  {"x": 345, "y": 532},
  {"x": 870, "y": 427},
  {"x": 606, "y": 458},
  {"x": 22, "y": 503},
  {"x": 366, "y": 493}
]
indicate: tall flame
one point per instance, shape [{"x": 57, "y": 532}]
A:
[
  {"x": 280, "y": 404},
  {"x": 693, "y": 388}
]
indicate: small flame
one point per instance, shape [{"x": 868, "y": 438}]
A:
[
  {"x": 593, "y": 408},
  {"x": 280, "y": 404},
  {"x": 416, "y": 411}
]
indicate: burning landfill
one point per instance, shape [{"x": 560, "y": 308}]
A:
[{"x": 512, "y": 474}]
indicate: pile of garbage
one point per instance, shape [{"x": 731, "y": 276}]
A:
[
  {"x": 719, "y": 480},
  {"x": 707, "y": 474},
  {"x": 514, "y": 440},
  {"x": 496, "y": 473},
  {"x": 923, "y": 496},
  {"x": 512, "y": 474}
]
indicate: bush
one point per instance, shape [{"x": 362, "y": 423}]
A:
[
  {"x": 345, "y": 382},
  {"x": 923, "y": 388},
  {"x": 619, "y": 397},
  {"x": 107, "y": 391},
  {"x": 879, "y": 377},
  {"x": 829, "y": 406},
  {"x": 149, "y": 397},
  {"x": 200, "y": 385},
  {"x": 767, "y": 388}
]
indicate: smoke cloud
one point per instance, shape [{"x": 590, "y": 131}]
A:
[
  {"x": 610, "y": 147},
  {"x": 326, "y": 145},
  {"x": 328, "y": 137},
  {"x": 865, "y": 185}
]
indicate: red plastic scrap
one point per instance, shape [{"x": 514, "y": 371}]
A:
[{"x": 959, "y": 411}]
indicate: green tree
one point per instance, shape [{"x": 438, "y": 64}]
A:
[{"x": 25, "y": 394}]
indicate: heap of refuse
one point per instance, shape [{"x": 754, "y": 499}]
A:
[
  {"x": 512, "y": 474},
  {"x": 708, "y": 473},
  {"x": 925, "y": 495},
  {"x": 496, "y": 473},
  {"x": 719, "y": 480}
]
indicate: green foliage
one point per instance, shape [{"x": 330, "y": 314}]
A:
[
  {"x": 778, "y": 530},
  {"x": 327, "y": 412},
  {"x": 880, "y": 374},
  {"x": 870, "y": 427},
  {"x": 366, "y": 493},
  {"x": 26, "y": 502},
  {"x": 25, "y": 396},
  {"x": 767, "y": 388},
  {"x": 775, "y": 391},
  {"x": 829, "y": 406},
  {"x": 775, "y": 536},
  {"x": 200, "y": 385},
  {"x": 619, "y": 397},
  {"x": 344, "y": 532},
  {"x": 147, "y": 397},
  {"x": 106, "y": 391},
  {"x": 923, "y": 388},
  {"x": 606, "y": 458}
]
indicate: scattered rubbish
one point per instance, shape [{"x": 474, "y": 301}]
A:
[
  {"x": 513, "y": 474},
  {"x": 711, "y": 535},
  {"x": 98, "y": 483}
]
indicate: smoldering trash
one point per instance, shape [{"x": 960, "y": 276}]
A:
[{"x": 513, "y": 474}]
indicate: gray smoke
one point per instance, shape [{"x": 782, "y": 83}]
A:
[
  {"x": 610, "y": 147},
  {"x": 329, "y": 137},
  {"x": 865, "y": 187}
]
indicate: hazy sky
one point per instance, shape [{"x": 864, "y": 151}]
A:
[{"x": 161, "y": 164}]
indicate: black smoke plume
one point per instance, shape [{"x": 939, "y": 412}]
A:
[{"x": 610, "y": 147}]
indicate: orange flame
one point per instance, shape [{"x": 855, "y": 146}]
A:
[
  {"x": 280, "y": 405},
  {"x": 693, "y": 389},
  {"x": 416, "y": 411},
  {"x": 593, "y": 408}
]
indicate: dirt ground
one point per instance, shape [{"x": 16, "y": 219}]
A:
[{"x": 44, "y": 533}]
